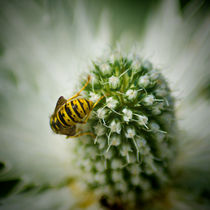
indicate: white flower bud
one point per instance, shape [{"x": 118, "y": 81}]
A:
[
  {"x": 161, "y": 92},
  {"x": 87, "y": 165},
  {"x": 131, "y": 94},
  {"x": 100, "y": 178},
  {"x": 140, "y": 141},
  {"x": 116, "y": 164},
  {"x": 130, "y": 133},
  {"x": 102, "y": 142},
  {"x": 136, "y": 64},
  {"x": 127, "y": 115},
  {"x": 160, "y": 136},
  {"x": 142, "y": 119},
  {"x": 99, "y": 129},
  {"x": 125, "y": 150},
  {"x": 114, "y": 82},
  {"x": 115, "y": 127},
  {"x": 149, "y": 100},
  {"x": 99, "y": 167},
  {"x": 105, "y": 68},
  {"x": 135, "y": 169},
  {"x": 111, "y": 102},
  {"x": 112, "y": 58},
  {"x": 115, "y": 140},
  {"x": 144, "y": 81},
  {"x": 154, "y": 74},
  {"x": 101, "y": 113},
  {"x": 94, "y": 97},
  {"x": 121, "y": 186},
  {"x": 108, "y": 155},
  {"x": 154, "y": 126},
  {"x": 117, "y": 176},
  {"x": 135, "y": 180},
  {"x": 147, "y": 65}
]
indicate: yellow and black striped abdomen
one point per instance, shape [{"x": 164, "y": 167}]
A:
[{"x": 74, "y": 111}]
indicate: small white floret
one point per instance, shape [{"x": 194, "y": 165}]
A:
[
  {"x": 93, "y": 97},
  {"x": 100, "y": 178},
  {"x": 132, "y": 158},
  {"x": 135, "y": 180},
  {"x": 111, "y": 102},
  {"x": 131, "y": 94},
  {"x": 149, "y": 100},
  {"x": 161, "y": 91},
  {"x": 122, "y": 187},
  {"x": 142, "y": 120},
  {"x": 160, "y": 136},
  {"x": 125, "y": 152},
  {"x": 154, "y": 74},
  {"x": 147, "y": 64},
  {"x": 141, "y": 142},
  {"x": 101, "y": 113},
  {"x": 116, "y": 164},
  {"x": 108, "y": 155},
  {"x": 154, "y": 126},
  {"x": 136, "y": 64},
  {"x": 144, "y": 81},
  {"x": 144, "y": 150},
  {"x": 114, "y": 82},
  {"x": 99, "y": 167},
  {"x": 127, "y": 115},
  {"x": 117, "y": 176},
  {"x": 115, "y": 127},
  {"x": 156, "y": 110},
  {"x": 92, "y": 152},
  {"x": 112, "y": 58},
  {"x": 105, "y": 68},
  {"x": 99, "y": 130},
  {"x": 150, "y": 165},
  {"x": 115, "y": 140},
  {"x": 87, "y": 165},
  {"x": 135, "y": 169},
  {"x": 130, "y": 133},
  {"x": 102, "y": 142}
]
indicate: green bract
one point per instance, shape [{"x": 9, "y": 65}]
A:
[{"x": 129, "y": 160}]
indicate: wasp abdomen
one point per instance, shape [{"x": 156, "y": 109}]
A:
[{"x": 74, "y": 111}]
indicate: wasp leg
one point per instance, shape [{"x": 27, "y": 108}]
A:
[
  {"x": 86, "y": 119},
  {"x": 77, "y": 94},
  {"x": 97, "y": 102},
  {"x": 81, "y": 134}
]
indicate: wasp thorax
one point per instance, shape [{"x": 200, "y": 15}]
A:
[{"x": 130, "y": 130}]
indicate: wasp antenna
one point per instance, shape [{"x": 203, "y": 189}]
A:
[{"x": 89, "y": 77}]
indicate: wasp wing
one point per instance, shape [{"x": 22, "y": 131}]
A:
[{"x": 61, "y": 101}]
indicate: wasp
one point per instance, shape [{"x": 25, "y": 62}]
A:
[{"x": 70, "y": 112}]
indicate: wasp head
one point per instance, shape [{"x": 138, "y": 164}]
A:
[{"x": 53, "y": 124}]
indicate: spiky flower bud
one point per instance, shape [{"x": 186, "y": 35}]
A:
[{"x": 129, "y": 159}]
